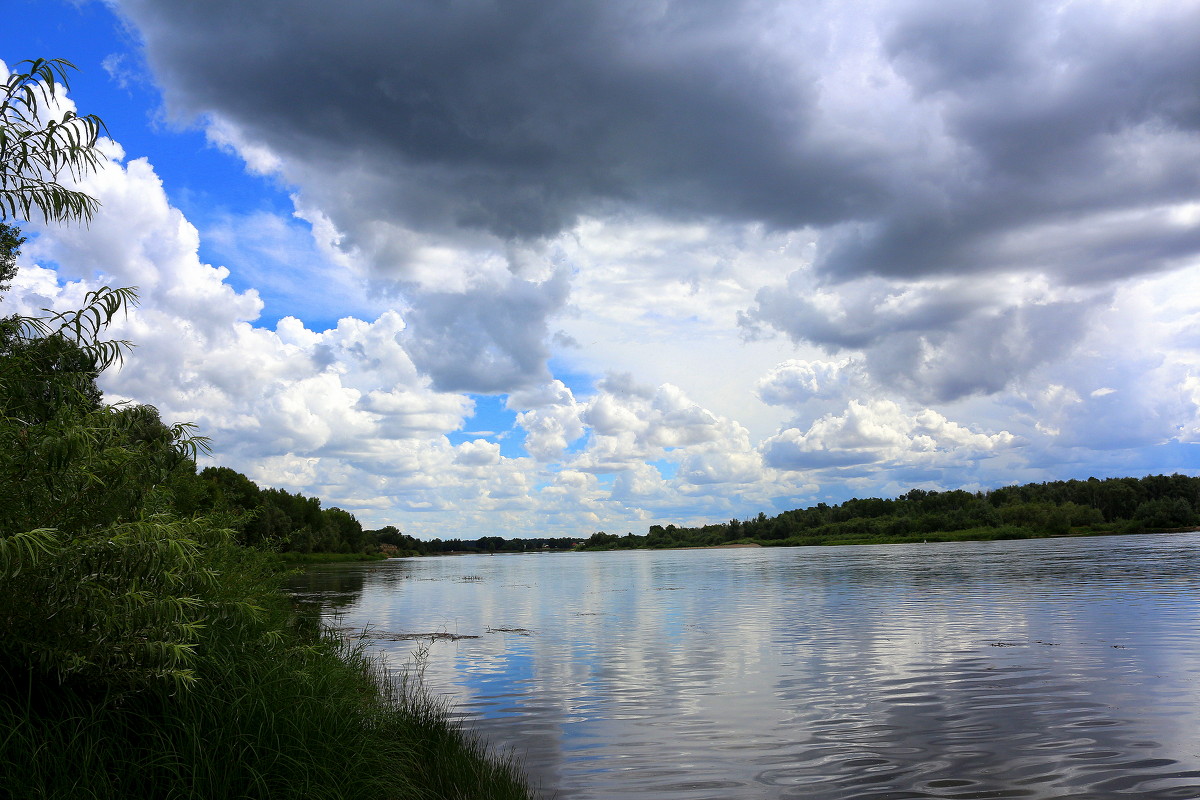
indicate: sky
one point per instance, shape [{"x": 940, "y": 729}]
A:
[{"x": 532, "y": 268}]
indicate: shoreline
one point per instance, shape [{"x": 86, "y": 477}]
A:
[{"x": 945, "y": 537}]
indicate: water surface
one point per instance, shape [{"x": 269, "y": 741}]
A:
[{"x": 1031, "y": 669}]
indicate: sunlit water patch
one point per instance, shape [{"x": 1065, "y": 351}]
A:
[{"x": 1032, "y": 669}]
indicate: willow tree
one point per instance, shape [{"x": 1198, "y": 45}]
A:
[
  {"x": 96, "y": 583},
  {"x": 40, "y": 144}
]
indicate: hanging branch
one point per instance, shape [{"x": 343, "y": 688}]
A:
[{"x": 33, "y": 153}]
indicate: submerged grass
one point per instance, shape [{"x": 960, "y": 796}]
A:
[{"x": 277, "y": 710}]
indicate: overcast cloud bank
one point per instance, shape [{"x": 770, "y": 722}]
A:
[{"x": 716, "y": 257}]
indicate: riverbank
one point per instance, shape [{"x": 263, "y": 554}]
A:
[
  {"x": 305, "y": 559},
  {"x": 264, "y": 705},
  {"x": 1028, "y": 511},
  {"x": 1005, "y": 533},
  {"x": 734, "y": 546}
]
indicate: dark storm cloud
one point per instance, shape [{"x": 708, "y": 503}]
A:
[
  {"x": 515, "y": 117},
  {"x": 917, "y": 139},
  {"x": 981, "y": 355},
  {"x": 935, "y": 344},
  {"x": 1063, "y": 117}
]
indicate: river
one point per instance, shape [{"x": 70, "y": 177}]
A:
[{"x": 1048, "y": 668}]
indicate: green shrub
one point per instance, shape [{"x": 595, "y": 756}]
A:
[
  {"x": 1165, "y": 512},
  {"x": 251, "y": 701}
]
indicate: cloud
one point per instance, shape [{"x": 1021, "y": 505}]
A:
[
  {"x": 934, "y": 340},
  {"x": 878, "y": 432},
  {"x": 909, "y": 132},
  {"x": 1065, "y": 124},
  {"x": 631, "y": 422},
  {"x": 489, "y": 338},
  {"x": 937, "y": 158},
  {"x": 1124, "y": 386},
  {"x": 477, "y": 453},
  {"x": 552, "y": 421},
  {"x": 794, "y": 381},
  {"x": 512, "y": 121}
]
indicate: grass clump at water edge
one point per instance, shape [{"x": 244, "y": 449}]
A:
[{"x": 271, "y": 707}]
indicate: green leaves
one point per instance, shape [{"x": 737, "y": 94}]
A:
[
  {"x": 82, "y": 327},
  {"x": 67, "y": 460},
  {"x": 124, "y": 605},
  {"x": 94, "y": 587},
  {"x": 34, "y": 151},
  {"x": 24, "y": 550}
]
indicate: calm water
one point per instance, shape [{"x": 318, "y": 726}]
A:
[{"x": 1038, "y": 669}]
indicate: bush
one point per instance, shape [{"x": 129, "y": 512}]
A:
[
  {"x": 147, "y": 655},
  {"x": 1166, "y": 512},
  {"x": 271, "y": 708}
]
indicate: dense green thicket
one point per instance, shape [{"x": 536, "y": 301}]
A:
[
  {"x": 297, "y": 527},
  {"x": 145, "y": 652},
  {"x": 1058, "y": 508},
  {"x": 270, "y": 707},
  {"x": 268, "y": 519}
]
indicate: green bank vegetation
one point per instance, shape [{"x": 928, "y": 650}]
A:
[
  {"x": 484, "y": 545},
  {"x": 1035, "y": 510},
  {"x": 302, "y": 532},
  {"x": 145, "y": 649}
]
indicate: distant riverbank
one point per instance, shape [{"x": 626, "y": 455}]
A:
[{"x": 1006, "y": 533}]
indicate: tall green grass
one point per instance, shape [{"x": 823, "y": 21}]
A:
[{"x": 274, "y": 708}]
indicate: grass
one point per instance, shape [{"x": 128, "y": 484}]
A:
[{"x": 278, "y": 709}]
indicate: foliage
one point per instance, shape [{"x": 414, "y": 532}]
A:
[
  {"x": 275, "y": 708},
  {"x": 298, "y": 527},
  {"x": 68, "y": 461},
  {"x": 491, "y": 544},
  {"x": 1059, "y": 508},
  {"x": 121, "y": 608},
  {"x": 10, "y": 244},
  {"x": 145, "y": 654},
  {"x": 35, "y": 151},
  {"x": 1166, "y": 512},
  {"x": 94, "y": 586}
]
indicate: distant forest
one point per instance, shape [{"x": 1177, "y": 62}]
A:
[
  {"x": 296, "y": 525},
  {"x": 1060, "y": 508}
]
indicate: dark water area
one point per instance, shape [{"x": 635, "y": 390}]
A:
[{"x": 1058, "y": 668}]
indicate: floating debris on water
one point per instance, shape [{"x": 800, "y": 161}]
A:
[{"x": 406, "y": 637}]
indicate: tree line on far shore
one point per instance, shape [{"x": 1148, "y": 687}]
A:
[
  {"x": 296, "y": 525},
  {"x": 1033, "y": 510}
]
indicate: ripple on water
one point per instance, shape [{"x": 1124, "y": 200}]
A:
[{"x": 1048, "y": 669}]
